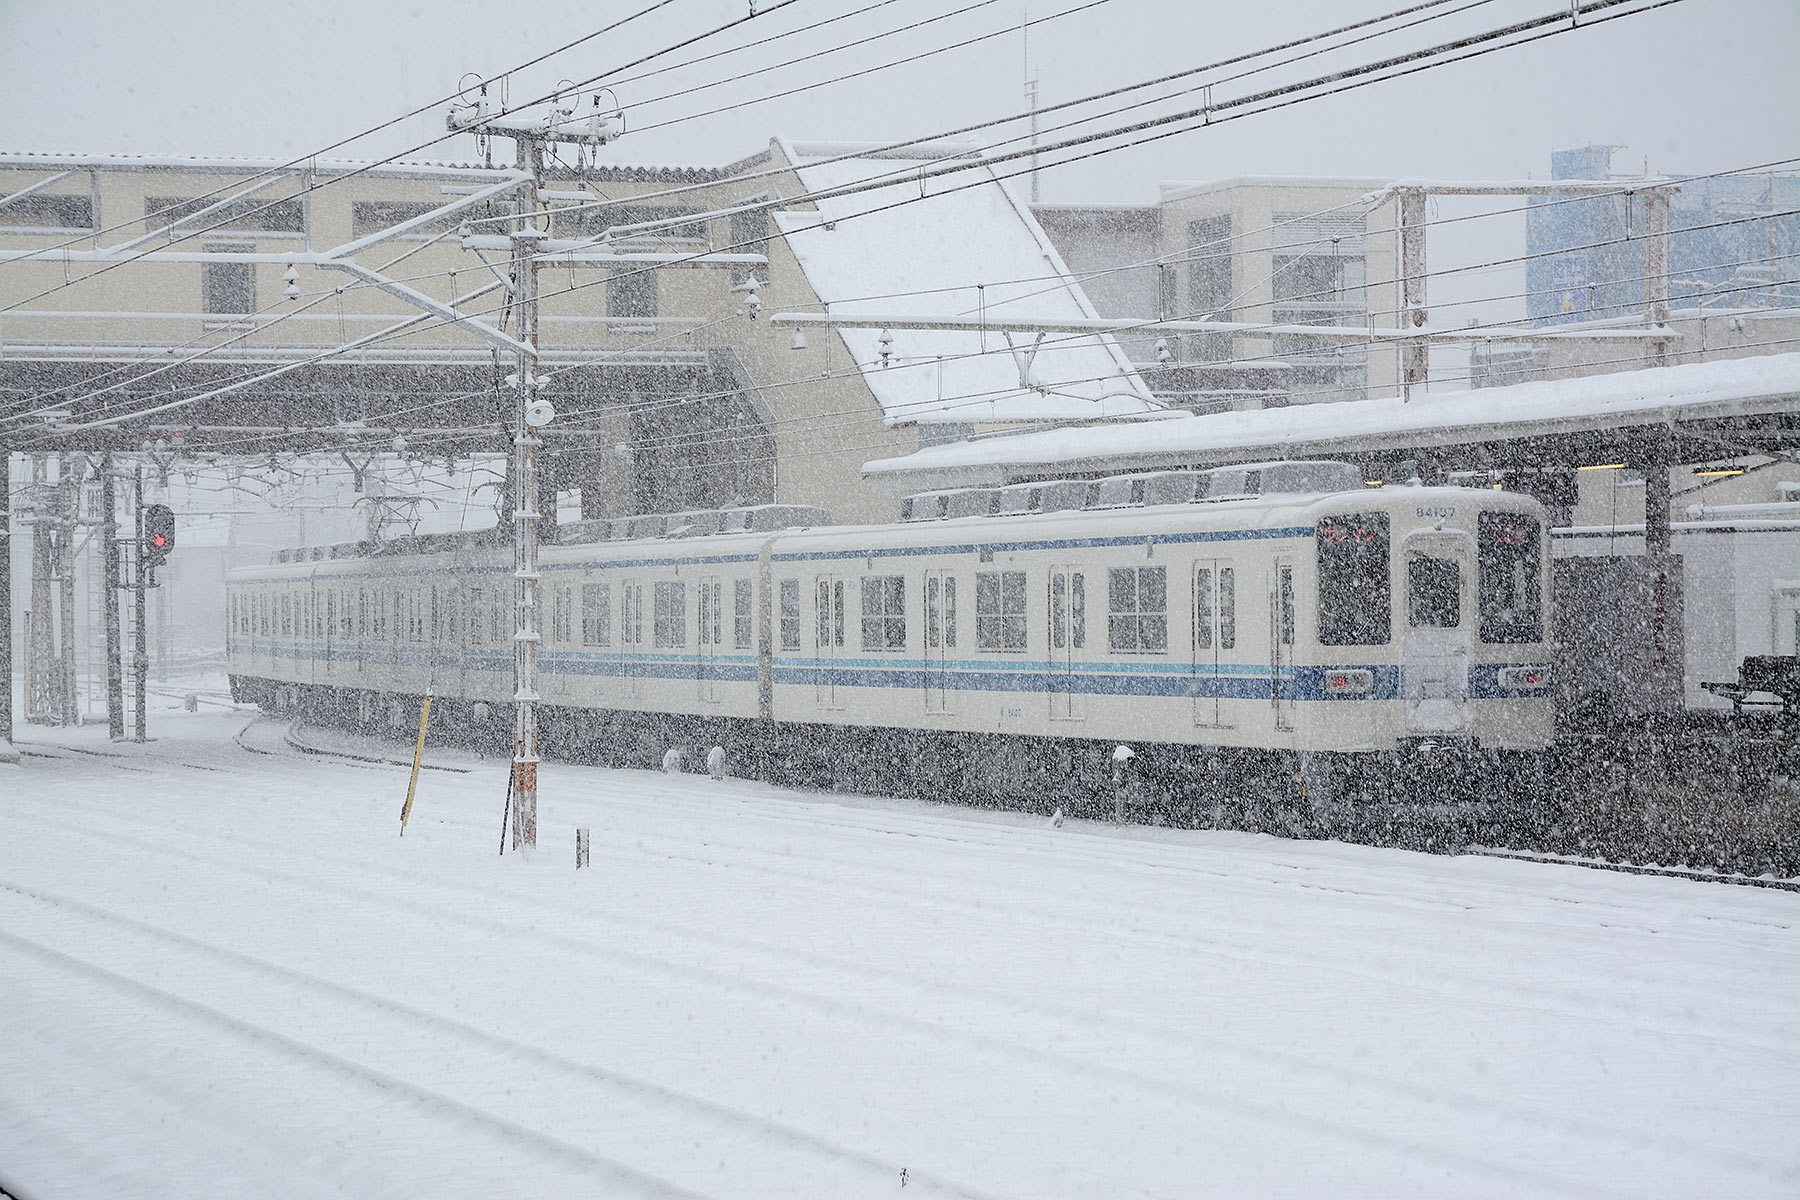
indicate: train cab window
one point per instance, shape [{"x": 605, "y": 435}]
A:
[
  {"x": 1355, "y": 592},
  {"x": 477, "y": 607},
  {"x": 1137, "y": 610},
  {"x": 1000, "y": 610},
  {"x": 884, "y": 612},
  {"x": 1433, "y": 592},
  {"x": 790, "y": 614},
  {"x": 742, "y": 622},
  {"x": 670, "y": 625},
  {"x": 1508, "y": 588},
  {"x": 596, "y": 614}
]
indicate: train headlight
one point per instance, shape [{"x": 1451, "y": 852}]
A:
[{"x": 1349, "y": 682}]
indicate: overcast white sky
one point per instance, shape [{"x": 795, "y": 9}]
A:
[{"x": 1701, "y": 85}]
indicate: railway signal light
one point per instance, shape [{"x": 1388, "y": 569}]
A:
[{"x": 159, "y": 534}]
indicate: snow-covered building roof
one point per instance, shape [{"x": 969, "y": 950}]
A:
[
  {"x": 1761, "y": 385},
  {"x": 968, "y": 249}
]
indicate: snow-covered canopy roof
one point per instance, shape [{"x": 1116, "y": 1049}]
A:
[
  {"x": 968, "y": 248},
  {"x": 1766, "y": 384}
]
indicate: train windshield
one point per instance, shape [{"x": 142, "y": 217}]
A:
[
  {"x": 1355, "y": 591},
  {"x": 1510, "y": 590}
]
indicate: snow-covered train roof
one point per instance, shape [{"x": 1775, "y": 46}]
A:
[{"x": 1767, "y": 383}]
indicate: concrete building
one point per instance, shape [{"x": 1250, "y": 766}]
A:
[
  {"x": 139, "y": 284},
  {"x": 1256, "y": 249}
]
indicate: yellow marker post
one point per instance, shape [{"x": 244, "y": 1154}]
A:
[{"x": 418, "y": 752}]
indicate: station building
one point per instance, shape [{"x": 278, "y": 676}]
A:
[{"x": 155, "y": 281}]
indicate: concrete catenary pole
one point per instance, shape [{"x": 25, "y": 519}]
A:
[{"x": 109, "y": 557}]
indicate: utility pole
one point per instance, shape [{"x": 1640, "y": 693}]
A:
[
  {"x": 109, "y": 551},
  {"x": 140, "y": 659},
  {"x": 530, "y": 414}
]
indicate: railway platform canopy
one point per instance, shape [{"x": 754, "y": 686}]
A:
[{"x": 1661, "y": 416}]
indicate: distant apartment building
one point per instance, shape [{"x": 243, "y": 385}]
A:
[{"x": 1278, "y": 251}]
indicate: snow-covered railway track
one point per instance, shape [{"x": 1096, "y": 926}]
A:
[
  {"x": 1119, "y": 1049},
  {"x": 410, "y": 1111},
  {"x": 382, "y": 1040},
  {"x": 1696, "y": 874}
]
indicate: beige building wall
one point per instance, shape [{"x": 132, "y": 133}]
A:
[{"x": 822, "y": 417}]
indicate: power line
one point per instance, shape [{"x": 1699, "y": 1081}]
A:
[{"x": 1347, "y": 79}]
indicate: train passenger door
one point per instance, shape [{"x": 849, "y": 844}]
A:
[
  {"x": 1281, "y": 643},
  {"x": 631, "y": 640},
  {"x": 1068, "y": 639},
  {"x": 1435, "y": 650},
  {"x": 711, "y": 632},
  {"x": 828, "y": 637},
  {"x": 1215, "y": 639},
  {"x": 940, "y": 638}
]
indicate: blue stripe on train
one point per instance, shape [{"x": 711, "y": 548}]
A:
[{"x": 1163, "y": 679}]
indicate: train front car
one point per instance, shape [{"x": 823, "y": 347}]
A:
[{"x": 1425, "y": 685}]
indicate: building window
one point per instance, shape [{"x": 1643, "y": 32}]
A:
[
  {"x": 884, "y": 612},
  {"x": 670, "y": 627},
  {"x": 750, "y": 235},
  {"x": 631, "y": 295},
  {"x": 228, "y": 288},
  {"x": 1209, "y": 286},
  {"x": 790, "y": 614},
  {"x": 594, "y": 221},
  {"x": 1137, "y": 610},
  {"x": 1000, "y": 610},
  {"x": 39, "y": 211},
  {"x": 742, "y": 623},
  {"x": 373, "y": 216},
  {"x": 596, "y": 614},
  {"x": 249, "y": 214},
  {"x": 1318, "y": 277}
]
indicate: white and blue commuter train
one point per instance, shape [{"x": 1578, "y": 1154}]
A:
[{"x": 1281, "y": 645}]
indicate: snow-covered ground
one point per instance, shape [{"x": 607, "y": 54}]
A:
[{"x": 223, "y": 974}]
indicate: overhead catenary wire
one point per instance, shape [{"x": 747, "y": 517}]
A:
[
  {"x": 854, "y": 369},
  {"x": 1429, "y": 4},
  {"x": 1356, "y": 82}
]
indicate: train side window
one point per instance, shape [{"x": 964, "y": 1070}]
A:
[
  {"x": 670, "y": 624},
  {"x": 1433, "y": 592},
  {"x": 1137, "y": 610},
  {"x": 596, "y": 614},
  {"x": 1000, "y": 610},
  {"x": 790, "y": 614},
  {"x": 884, "y": 612},
  {"x": 1509, "y": 589},
  {"x": 742, "y": 621},
  {"x": 1355, "y": 589}
]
